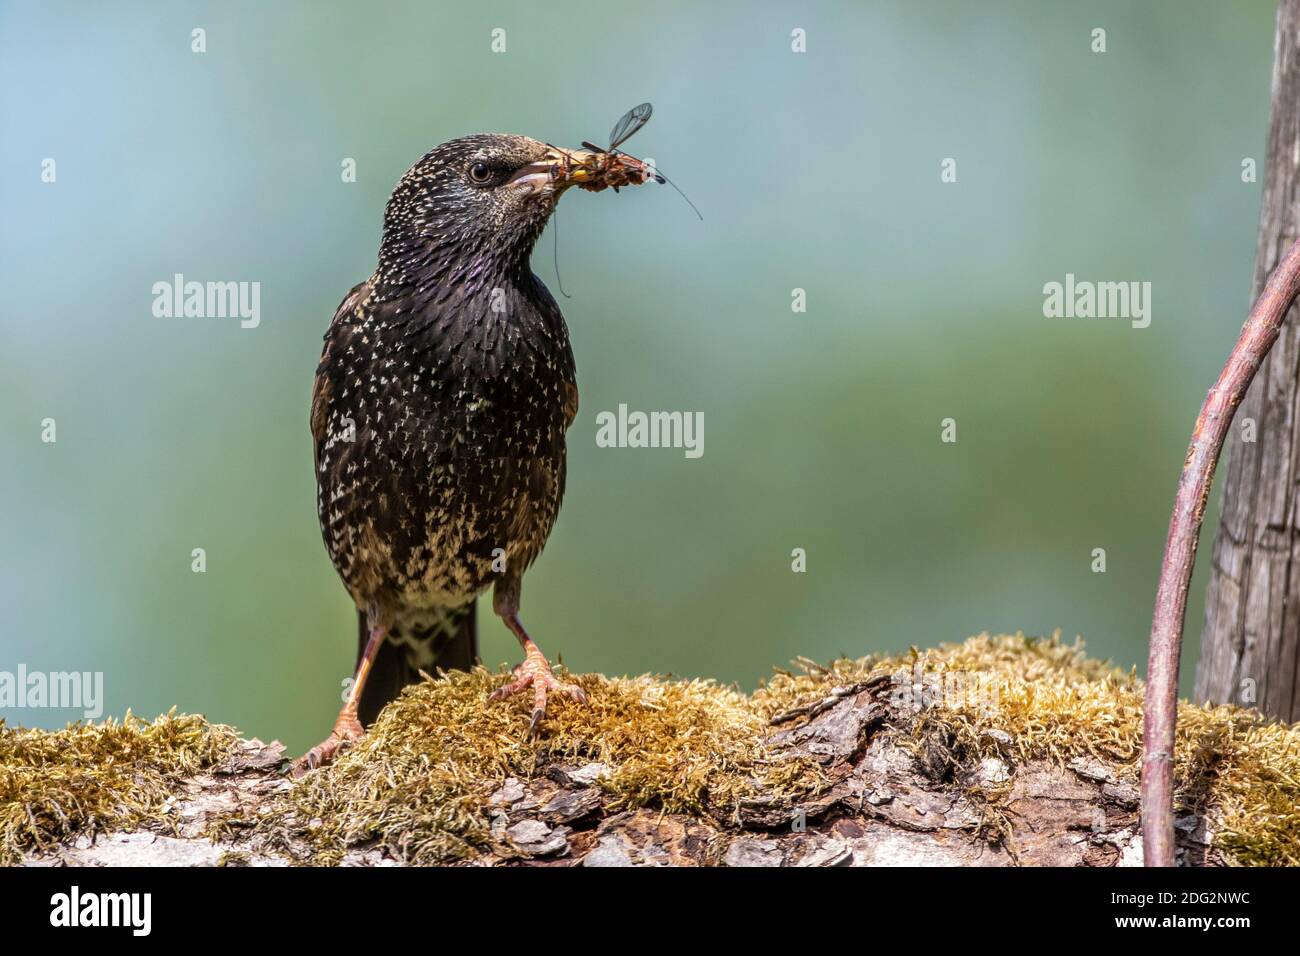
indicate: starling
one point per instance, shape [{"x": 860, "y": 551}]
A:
[{"x": 438, "y": 415}]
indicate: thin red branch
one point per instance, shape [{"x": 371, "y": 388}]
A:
[{"x": 1161, "y": 705}]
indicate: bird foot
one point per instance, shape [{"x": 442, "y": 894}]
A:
[
  {"x": 535, "y": 672},
  {"x": 347, "y": 731}
]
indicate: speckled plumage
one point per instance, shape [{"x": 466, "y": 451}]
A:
[{"x": 442, "y": 398}]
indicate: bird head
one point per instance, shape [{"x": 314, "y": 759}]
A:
[{"x": 476, "y": 206}]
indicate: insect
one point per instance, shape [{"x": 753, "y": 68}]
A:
[
  {"x": 594, "y": 168},
  {"x": 615, "y": 168},
  {"x": 610, "y": 168}
]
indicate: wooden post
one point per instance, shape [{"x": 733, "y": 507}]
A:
[
  {"x": 1250, "y": 648},
  {"x": 1161, "y": 704}
]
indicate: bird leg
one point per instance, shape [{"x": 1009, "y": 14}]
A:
[
  {"x": 347, "y": 728},
  {"x": 535, "y": 671}
]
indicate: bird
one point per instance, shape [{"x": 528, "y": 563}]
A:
[{"x": 439, "y": 409}]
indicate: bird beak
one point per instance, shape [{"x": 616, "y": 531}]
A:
[{"x": 560, "y": 169}]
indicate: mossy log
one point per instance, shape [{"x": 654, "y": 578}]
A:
[{"x": 999, "y": 751}]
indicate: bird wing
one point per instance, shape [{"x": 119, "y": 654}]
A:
[
  {"x": 550, "y": 310},
  {"x": 570, "y": 404},
  {"x": 322, "y": 385}
]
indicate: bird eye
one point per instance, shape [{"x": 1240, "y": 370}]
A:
[{"x": 480, "y": 172}]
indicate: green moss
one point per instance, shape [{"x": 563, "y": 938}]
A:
[
  {"x": 100, "y": 777},
  {"x": 1239, "y": 769},
  {"x": 419, "y": 782}
]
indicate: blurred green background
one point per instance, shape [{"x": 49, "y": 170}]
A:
[{"x": 817, "y": 170}]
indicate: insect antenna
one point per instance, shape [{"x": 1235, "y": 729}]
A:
[
  {"x": 664, "y": 179},
  {"x": 660, "y": 178},
  {"x": 555, "y": 250}
]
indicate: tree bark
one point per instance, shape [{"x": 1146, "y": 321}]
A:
[
  {"x": 1250, "y": 651},
  {"x": 898, "y": 795}
]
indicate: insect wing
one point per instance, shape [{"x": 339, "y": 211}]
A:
[{"x": 630, "y": 122}]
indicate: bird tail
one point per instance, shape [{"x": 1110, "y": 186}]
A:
[{"x": 445, "y": 638}]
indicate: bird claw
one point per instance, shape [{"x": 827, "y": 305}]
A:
[
  {"x": 536, "y": 673},
  {"x": 347, "y": 731}
]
